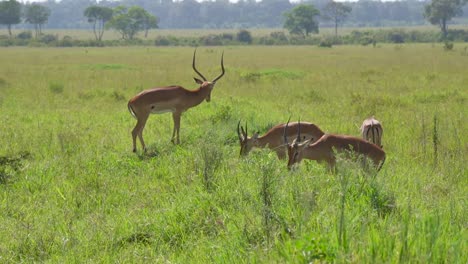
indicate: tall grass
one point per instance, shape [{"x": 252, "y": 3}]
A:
[{"x": 81, "y": 195}]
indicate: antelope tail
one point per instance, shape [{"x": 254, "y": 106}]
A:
[{"x": 131, "y": 111}]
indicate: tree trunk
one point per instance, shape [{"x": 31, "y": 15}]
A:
[
  {"x": 101, "y": 29},
  {"x": 9, "y": 30},
  {"x": 443, "y": 27},
  {"x": 94, "y": 30},
  {"x": 36, "y": 31},
  {"x": 336, "y": 28}
]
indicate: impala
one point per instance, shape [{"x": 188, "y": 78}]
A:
[
  {"x": 325, "y": 149},
  {"x": 174, "y": 99},
  {"x": 273, "y": 139},
  {"x": 371, "y": 130}
]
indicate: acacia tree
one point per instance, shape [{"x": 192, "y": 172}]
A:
[
  {"x": 129, "y": 21},
  {"x": 10, "y": 14},
  {"x": 37, "y": 15},
  {"x": 337, "y": 12},
  {"x": 439, "y": 12},
  {"x": 98, "y": 15},
  {"x": 302, "y": 20}
]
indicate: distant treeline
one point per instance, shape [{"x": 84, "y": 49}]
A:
[
  {"x": 242, "y": 14},
  {"x": 244, "y": 37}
]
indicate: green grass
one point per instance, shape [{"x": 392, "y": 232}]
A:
[{"x": 71, "y": 190}]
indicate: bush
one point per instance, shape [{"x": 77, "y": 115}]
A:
[
  {"x": 325, "y": 43},
  {"x": 162, "y": 41},
  {"x": 448, "y": 46},
  {"x": 24, "y": 35},
  {"x": 211, "y": 40},
  {"x": 396, "y": 37},
  {"x": 48, "y": 38},
  {"x": 66, "y": 41},
  {"x": 244, "y": 36}
]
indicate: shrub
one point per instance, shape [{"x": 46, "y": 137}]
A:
[
  {"x": 24, "y": 35},
  {"x": 48, "y": 38},
  {"x": 325, "y": 43},
  {"x": 56, "y": 88},
  {"x": 211, "y": 40},
  {"x": 279, "y": 36},
  {"x": 396, "y": 37},
  {"x": 448, "y": 46},
  {"x": 66, "y": 41},
  {"x": 244, "y": 36},
  {"x": 162, "y": 41}
]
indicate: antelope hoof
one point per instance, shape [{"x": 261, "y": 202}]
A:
[{"x": 134, "y": 150}]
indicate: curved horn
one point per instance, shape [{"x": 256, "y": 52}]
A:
[
  {"x": 194, "y": 68},
  {"x": 222, "y": 73},
  {"x": 238, "y": 131},
  {"x": 284, "y": 132},
  {"x": 299, "y": 131},
  {"x": 246, "y": 131}
]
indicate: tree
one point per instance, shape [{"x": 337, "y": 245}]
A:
[
  {"x": 37, "y": 15},
  {"x": 98, "y": 15},
  {"x": 337, "y": 12},
  {"x": 439, "y": 12},
  {"x": 149, "y": 22},
  {"x": 10, "y": 13},
  {"x": 301, "y": 20},
  {"x": 128, "y": 22}
]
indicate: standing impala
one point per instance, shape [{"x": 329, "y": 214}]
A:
[
  {"x": 273, "y": 139},
  {"x": 174, "y": 99},
  {"x": 371, "y": 130},
  {"x": 324, "y": 150}
]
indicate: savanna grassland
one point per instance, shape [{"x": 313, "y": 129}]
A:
[{"x": 72, "y": 191}]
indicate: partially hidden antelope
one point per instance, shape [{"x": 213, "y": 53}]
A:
[
  {"x": 372, "y": 130},
  {"x": 175, "y": 99},
  {"x": 324, "y": 150},
  {"x": 273, "y": 138}
]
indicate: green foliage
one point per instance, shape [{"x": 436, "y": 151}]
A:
[
  {"x": 439, "y": 12},
  {"x": 244, "y": 36},
  {"x": 129, "y": 21},
  {"x": 10, "y": 13},
  {"x": 24, "y": 35},
  {"x": 302, "y": 20},
  {"x": 37, "y": 15},
  {"x": 98, "y": 15},
  {"x": 448, "y": 45},
  {"x": 336, "y": 12}
]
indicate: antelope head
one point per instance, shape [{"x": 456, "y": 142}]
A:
[
  {"x": 246, "y": 142},
  {"x": 295, "y": 149},
  {"x": 204, "y": 84}
]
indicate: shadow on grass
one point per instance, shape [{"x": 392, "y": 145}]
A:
[
  {"x": 10, "y": 165},
  {"x": 137, "y": 238}
]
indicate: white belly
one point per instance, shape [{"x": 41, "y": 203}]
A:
[{"x": 162, "y": 111}]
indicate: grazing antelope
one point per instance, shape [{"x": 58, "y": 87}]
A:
[
  {"x": 174, "y": 99},
  {"x": 273, "y": 139},
  {"x": 323, "y": 150},
  {"x": 371, "y": 130}
]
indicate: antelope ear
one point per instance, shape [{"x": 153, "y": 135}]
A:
[
  {"x": 198, "y": 80},
  {"x": 255, "y": 136}
]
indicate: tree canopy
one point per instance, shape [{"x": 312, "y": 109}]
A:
[
  {"x": 37, "y": 15},
  {"x": 129, "y": 21},
  {"x": 439, "y": 12},
  {"x": 10, "y": 13},
  {"x": 337, "y": 12},
  {"x": 98, "y": 15},
  {"x": 302, "y": 20}
]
